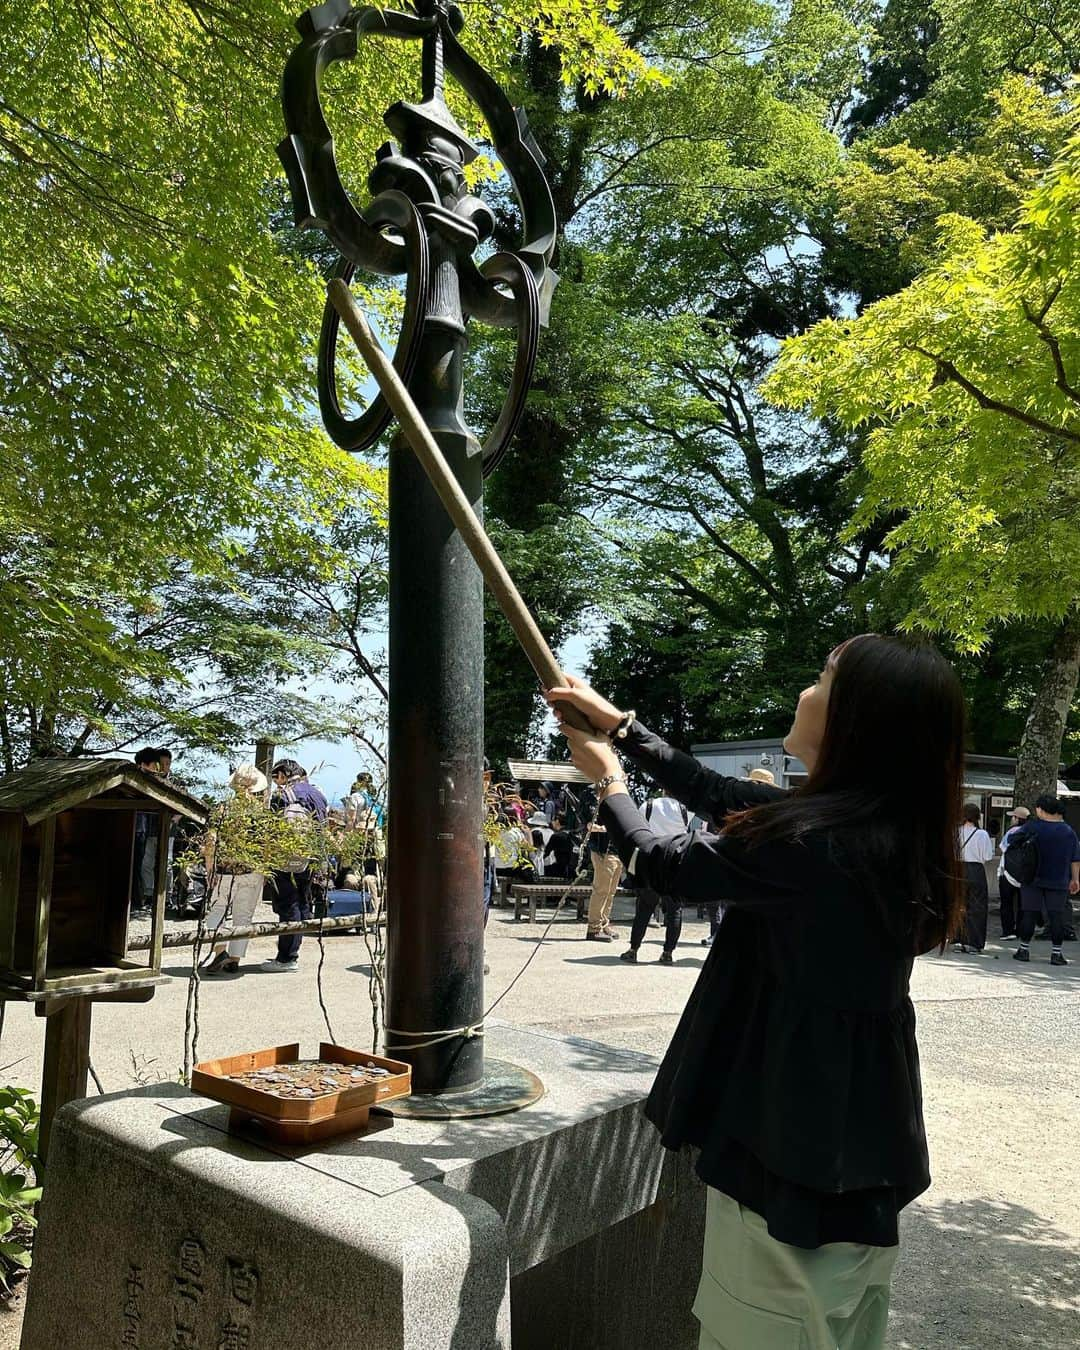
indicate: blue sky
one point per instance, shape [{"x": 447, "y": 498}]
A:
[{"x": 334, "y": 766}]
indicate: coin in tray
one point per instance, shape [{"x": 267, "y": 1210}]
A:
[{"x": 307, "y": 1078}]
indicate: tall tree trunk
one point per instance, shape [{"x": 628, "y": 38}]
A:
[
  {"x": 5, "y": 740},
  {"x": 1040, "y": 747}
]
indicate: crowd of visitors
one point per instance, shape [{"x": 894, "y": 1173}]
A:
[
  {"x": 550, "y": 832},
  {"x": 1038, "y": 872},
  {"x": 338, "y": 853}
]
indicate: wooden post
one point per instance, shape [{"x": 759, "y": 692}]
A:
[
  {"x": 161, "y": 885},
  {"x": 44, "y": 900},
  {"x": 264, "y": 756},
  {"x": 67, "y": 1062}
]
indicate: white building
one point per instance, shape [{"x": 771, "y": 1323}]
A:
[{"x": 988, "y": 779}]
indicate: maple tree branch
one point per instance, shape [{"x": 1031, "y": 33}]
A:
[{"x": 946, "y": 371}]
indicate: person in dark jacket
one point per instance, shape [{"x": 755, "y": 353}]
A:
[
  {"x": 794, "y": 1070},
  {"x": 1058, "y": 877},
  {"x": 561, "y": 852},
  {"x": 299, "y": 801}
]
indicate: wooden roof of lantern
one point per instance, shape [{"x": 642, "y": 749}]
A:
[{"x": 48, "y": 786}]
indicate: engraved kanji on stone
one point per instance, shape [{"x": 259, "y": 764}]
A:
[
  {"x": 192, "y": 1260},
  {"x": 185, "y": 1308},
  {"x": 184, "y": 1339},
  {"x": 132, "y": 1311},
  {"x": 243, "y": 1281},
  {"x": 235, "y": 1336}
]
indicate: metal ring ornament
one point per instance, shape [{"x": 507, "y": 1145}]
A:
[
  {"x": 390, "y": 208},
  {"x": 511, "y": 270}
]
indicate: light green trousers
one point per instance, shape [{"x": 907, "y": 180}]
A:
[{"x": 760, "y": 1294}]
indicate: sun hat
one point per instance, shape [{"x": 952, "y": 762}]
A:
[{"x": 248, "y": 778}]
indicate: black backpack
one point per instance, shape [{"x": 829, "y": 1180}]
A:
[{"x": 1022, "y": 857}]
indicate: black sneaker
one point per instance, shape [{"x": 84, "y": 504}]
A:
[
  {"x": 1058, "y": 959},
  {"x": 629, "y": 955},
  {"x": 599, "y": 936},
  {"x": 1021, "y": 954},
  {"x": 666, "y": 959}
]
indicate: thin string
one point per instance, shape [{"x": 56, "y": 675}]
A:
[
  {"x": 468, "y": 1033},
  {"x": 475, "y": 1029}
]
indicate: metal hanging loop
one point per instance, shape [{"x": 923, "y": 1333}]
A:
[
  {"x": 357, "y": 434},
  {"x": 391, "y": 236}
]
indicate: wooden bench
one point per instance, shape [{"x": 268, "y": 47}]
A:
[{"x": 530, "y": 894}]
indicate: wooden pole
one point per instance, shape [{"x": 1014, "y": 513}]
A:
[
  {"x": 498, "y": 579},
  {"x": 210, "y": 937},
  {"x": 67, "y": 1062},
  {"x": 264, "y": 760}
]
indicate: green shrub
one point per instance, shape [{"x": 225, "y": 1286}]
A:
[{"x": 20, "y": 1168}]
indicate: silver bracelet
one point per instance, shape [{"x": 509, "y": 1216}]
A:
[{"x": 606, "y": 782}]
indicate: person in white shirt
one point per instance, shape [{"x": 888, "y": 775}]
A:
[
  {"x": 541, "y": 833},
  {"x": 666, "y": 817},
  {"x": 976, "y": 849},
  {"x": 512, "y": 851},
  {"x": 1008, "y": 888}
]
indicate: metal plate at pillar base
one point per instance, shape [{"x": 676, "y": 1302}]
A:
[{"x": 506, "y": 1087}]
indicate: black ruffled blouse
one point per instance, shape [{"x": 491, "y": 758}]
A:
[{"x": 794, "y": 1069}]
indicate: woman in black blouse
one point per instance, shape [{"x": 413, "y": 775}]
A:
[{"x": 794, "y": 1070}]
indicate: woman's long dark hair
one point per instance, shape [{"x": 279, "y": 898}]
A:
[{"x": 889, "y": 779}]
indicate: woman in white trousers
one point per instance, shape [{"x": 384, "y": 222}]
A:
[{"x": 234, "y": 896}]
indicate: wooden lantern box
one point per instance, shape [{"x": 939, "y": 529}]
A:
[{"x": 67, "y": 843}]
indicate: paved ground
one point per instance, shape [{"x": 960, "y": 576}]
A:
[{"x": 991, "y": 1257}]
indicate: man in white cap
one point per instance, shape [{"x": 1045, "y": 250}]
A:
[{"x": 1008, "y": 888}]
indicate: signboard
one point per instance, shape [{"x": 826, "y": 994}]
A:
[{"x": 1001, "y": 801}]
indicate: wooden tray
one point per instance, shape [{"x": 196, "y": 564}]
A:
[{"x": 300, "y": 1119}]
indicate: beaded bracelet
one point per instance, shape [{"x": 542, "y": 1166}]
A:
[{"x": 607, "y": 781}]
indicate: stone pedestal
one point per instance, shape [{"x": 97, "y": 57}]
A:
[{"x": 564, "y": 1226}]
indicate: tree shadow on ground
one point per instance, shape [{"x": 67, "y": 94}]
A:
[
  {"x": 984, "y": 1274},
  {"x": 995, "y": 963}
]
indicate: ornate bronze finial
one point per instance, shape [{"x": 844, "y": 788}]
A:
[{"x": 420, "y": 203}]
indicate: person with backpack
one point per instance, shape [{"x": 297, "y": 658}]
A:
[
  {"x": 1008, "y": 887},
  {"x": 668, "y": 818},
  {"x": 301, "y": 802},
  {"x": 976, "y": 849},
  {"x": 794, "y": 1071},
  {"x": 1045, "y": 858}
]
